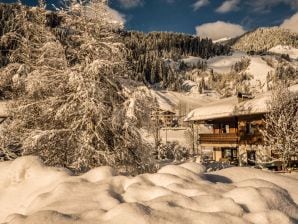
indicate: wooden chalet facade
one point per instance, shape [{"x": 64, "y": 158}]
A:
[
  {"x": 231, "y": 134},
  {"x": 234, "y": 129}
]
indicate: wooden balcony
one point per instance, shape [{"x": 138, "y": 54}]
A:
[{"x": 219, "y": 139}]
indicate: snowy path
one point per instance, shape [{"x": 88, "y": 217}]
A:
[{"x": 35, "y": 194}]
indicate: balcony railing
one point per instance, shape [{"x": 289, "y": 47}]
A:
[
  {"x": 230, "y": 138},
  {"x": 256, "y": 138}
]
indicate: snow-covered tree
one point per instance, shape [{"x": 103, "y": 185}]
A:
[
  {"x": 281, "y": 124},
  {"x": 69, "y": 107}
]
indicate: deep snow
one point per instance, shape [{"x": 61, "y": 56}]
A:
[{"x": 32, "y": 193}]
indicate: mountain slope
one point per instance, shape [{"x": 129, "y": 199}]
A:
[
  {"x": 282, "y": 49},
  {"x": 152, "y": 55},
  {"x": 263, "y": 39}
]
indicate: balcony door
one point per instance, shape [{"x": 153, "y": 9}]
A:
[{"x": 229, "y": 153}]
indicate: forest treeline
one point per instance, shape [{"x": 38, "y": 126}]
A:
[{"x": 152, "y": 55}]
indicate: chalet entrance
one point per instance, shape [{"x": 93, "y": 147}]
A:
[{"x": 230, "y": 154}]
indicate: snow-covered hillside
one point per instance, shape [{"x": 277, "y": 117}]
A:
[
  {"x": 280, "y": 49},
  {"x": 32, "y": 193},
  {"x": 259, "y": 69},
  {"x": 263, "y": 39},
  {"x": 173, "y": 101},
  {"x": 223, "y": 64}
]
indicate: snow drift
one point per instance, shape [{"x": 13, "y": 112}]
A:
[{"x": 33, "y": 193}]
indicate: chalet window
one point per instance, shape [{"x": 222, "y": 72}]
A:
[
  {"x": 224, "y": 128},
  {"x": 227, "y": 128}
]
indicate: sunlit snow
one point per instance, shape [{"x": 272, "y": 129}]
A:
[{"x": 33, "y": 193}]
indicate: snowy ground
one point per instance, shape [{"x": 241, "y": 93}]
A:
[{"x": 32, "y": 193}]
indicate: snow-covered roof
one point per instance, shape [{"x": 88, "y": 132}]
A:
[{"x": 229, "y": 107}]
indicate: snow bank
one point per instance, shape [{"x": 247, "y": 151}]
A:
[{"x": 32, "y": 193}]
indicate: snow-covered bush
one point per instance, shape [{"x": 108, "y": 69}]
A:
[
  {"x": 172, "y": 151},
  {"x": 281, "y": 124}
]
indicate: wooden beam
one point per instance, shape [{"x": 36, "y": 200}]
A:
[{"x": 2, "y": 119}]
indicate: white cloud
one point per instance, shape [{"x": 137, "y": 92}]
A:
[
  {"x": 228, "y": 6},
  {"x": 267, "y": 5},
  {"x": 291, "y": 23},
  {"x": 130, "y": 3},
  {"x": 199, "y": 4},
  {"x": 219, "y": 30},
  {"x": 114, "y": 16}
]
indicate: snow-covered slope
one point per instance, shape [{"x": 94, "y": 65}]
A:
[
  {"x": 221, "y": 40},
  {"x": 34, "y": 194},
  {"x": 223, "y": 64},
  {"x": 172, "y": 101},
  {"x": 262, "y": 39},
  {"x": 280, "y": 49},
  {"x": 259, "y": 69}
]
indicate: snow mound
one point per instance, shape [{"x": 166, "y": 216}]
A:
[{"x": 33, "y": 193}]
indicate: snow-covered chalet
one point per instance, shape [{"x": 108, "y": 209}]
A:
[{"x": 233, "y": 126}]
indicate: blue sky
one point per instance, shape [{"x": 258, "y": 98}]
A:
[
  {"x": 185, "y": 16},
  {"x": 181, "y": 16}
]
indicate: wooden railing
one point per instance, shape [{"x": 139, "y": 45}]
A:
[
  {"x": 256, "y": 138},
  {"x": 230, "y": 138}
]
